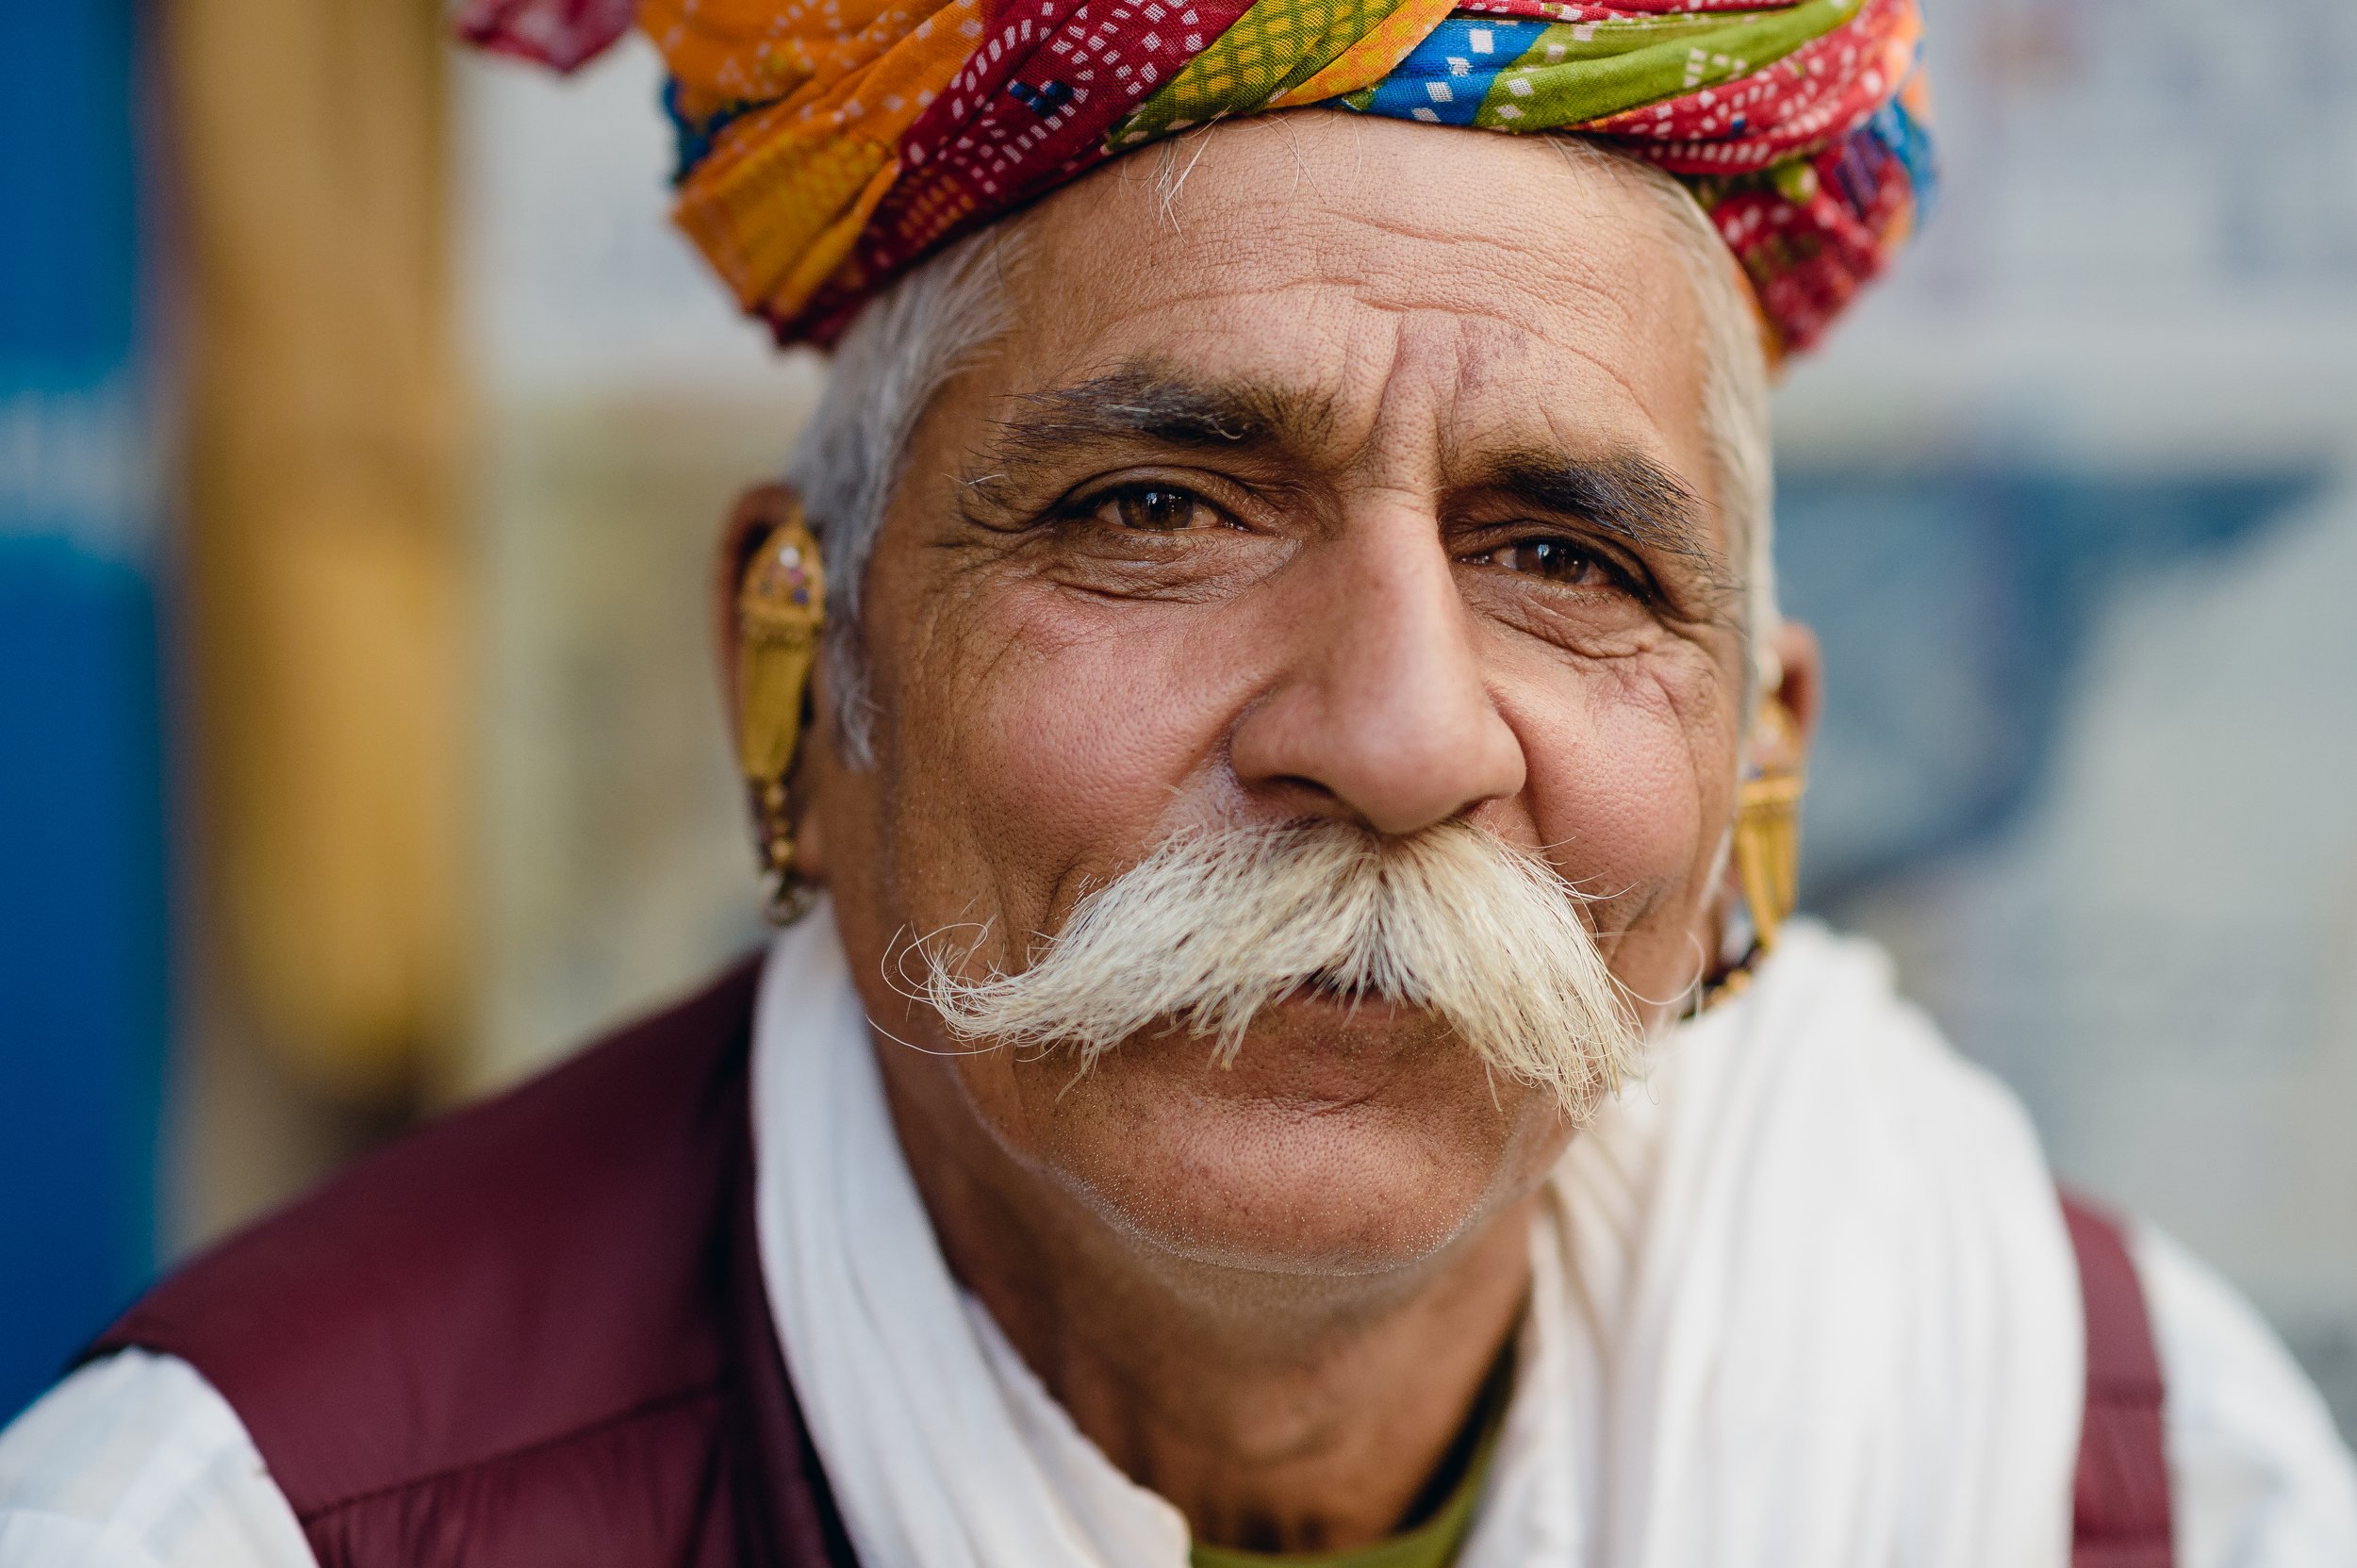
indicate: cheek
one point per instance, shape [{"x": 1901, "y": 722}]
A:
[
  {"x": 1064, "y": 736},
  {"x": 1630, "y": 769}
]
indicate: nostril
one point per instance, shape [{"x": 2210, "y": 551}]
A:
[{"x": 1301, "y": 786}]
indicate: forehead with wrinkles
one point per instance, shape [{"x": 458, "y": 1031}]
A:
[{"x": 1410, "y": 302}]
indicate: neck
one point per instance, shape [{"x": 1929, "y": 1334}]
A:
[{"x": 1277, "y": 1411}]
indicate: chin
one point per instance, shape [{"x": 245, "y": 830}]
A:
[{"x": 1340, "y": 1141}]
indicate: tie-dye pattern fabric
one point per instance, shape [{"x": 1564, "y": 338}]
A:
[{"x": 826, "y": 145}]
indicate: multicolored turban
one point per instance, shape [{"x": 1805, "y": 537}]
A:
[{"x": 827, "y": 145}]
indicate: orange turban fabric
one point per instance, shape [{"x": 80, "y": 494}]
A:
[{"x": 827, "y": 145}]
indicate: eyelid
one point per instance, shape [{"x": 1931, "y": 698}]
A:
[
  {"x": 1083, "y": 500},
  {"x": 1631, "y": 572}
]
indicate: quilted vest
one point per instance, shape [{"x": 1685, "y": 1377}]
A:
[{"x": 534, "y": 1334}]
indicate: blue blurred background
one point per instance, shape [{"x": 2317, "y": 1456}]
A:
[
  {"x": 83, "y": 888},
  {"x": 2072, "y": 502}
]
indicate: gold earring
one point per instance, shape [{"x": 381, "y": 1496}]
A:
[
  {"x": 780, "y": 607},
  {"x": 1768, "y": 824}
]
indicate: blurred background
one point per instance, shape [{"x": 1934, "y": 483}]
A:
[{"x": 363, "y": 430}]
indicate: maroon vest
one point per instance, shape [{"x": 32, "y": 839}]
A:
[{"x": 535, "y": 1335}]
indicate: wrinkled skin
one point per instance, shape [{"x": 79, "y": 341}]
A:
[{"x": 1328, "y": 574}]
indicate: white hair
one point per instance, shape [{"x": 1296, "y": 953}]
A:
[
  {"x": 1215, "y": 926},
  {"x": 929, "y": 324}
]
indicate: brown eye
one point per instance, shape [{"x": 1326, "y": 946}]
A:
[
  {"x": 1157, "y": 509},
  {"x": 1556, "y": 560}
]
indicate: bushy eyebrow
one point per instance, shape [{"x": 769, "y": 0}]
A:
[
  {"x": 1143, "y": 401},
  {"x": 1623, "y": 494}
]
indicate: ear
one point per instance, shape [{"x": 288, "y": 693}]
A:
[{"x": 1799, "y": 689}]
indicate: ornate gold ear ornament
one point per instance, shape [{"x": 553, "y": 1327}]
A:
[
  {"x": 1768, "y": 824},
  {"x": 1766, "y": 845},
  {"x": 780, "y": 607}
]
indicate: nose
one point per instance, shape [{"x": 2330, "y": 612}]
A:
[{"x": 1379, "y": 710}]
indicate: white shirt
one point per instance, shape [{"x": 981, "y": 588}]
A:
[{"x": 136, "y": 1461}]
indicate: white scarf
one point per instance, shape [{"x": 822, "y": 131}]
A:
[{"x": 1803, "y": 1300}]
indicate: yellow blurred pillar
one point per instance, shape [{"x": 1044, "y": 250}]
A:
[{"x": 326, "y": 563}]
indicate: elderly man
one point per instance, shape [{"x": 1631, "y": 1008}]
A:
[{"x": 1285, "y": 1047}]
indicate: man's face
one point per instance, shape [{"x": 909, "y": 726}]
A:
[{"x": 1361, "y": 477}]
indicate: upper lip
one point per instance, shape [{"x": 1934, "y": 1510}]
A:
[{"x": 1326, "y": 986}]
